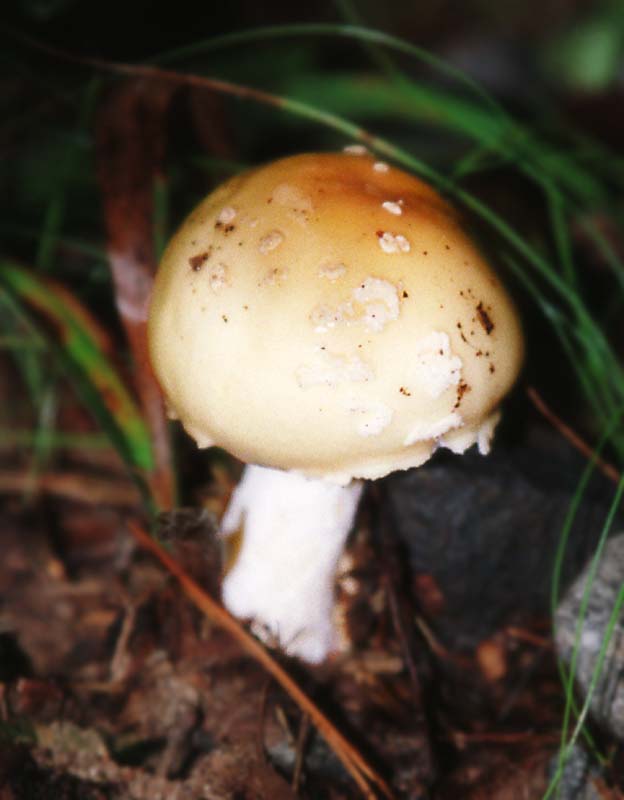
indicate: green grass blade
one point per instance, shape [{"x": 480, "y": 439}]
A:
[
  {"x": 561, "y": 231},
  {"x": 353, "y": 32},
  {"x": 17, "y": 327},
  {"x": 46, "y": 422},
  {"x": 591, "y": 336},
  {"x": 55, "y": 212},
  {"x": 569, "y": 673},
  {"x": 80, "y": 345},
  {"x": 485, "y": 121}
]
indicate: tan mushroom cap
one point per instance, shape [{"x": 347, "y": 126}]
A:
[{"x": 328, "y": 314}]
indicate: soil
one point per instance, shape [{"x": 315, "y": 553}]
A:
[{"x": 113, "y": 685}]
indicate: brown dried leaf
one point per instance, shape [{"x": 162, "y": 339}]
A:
[{"x": 130, "y": 150}]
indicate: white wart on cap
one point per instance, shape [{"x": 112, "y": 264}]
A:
[{"x": 322, "y": 315}]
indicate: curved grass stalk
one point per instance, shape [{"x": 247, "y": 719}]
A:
[
  {"x": 591, "y": 336},
  {"x": 303, "y": 110},
  {"x": 355, "y": 32},
  {"x": 592, "y": 389},
  {"x": 489, "y": 124},
  {"x": 588, "y": 342}
]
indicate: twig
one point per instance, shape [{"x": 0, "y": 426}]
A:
[
  {"x": 528, "y": 636},
  {"x": 202, "y": 82},
  {"x": 72, "y": 486},
  {"x": 147, "y": 71},
  {"x": 302, "y": 735},
  {"x": 399, "y": 615},
  {"x": 391, "y": 578},
  {"x": 264, "y": 699},
  {"x": 568, "y": 433},
  {"x": 461, "y": 739},
  {"x": 436, "y": 647},
  {"x": 121, "y": 660},
  {"x": 359, "y": 769}
]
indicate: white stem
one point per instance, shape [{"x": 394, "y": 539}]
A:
[{"x": 293, "y": 533}]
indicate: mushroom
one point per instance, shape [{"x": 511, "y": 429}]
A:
[{"x": 326, "y": 319}]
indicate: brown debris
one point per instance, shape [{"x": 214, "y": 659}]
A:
[
  {"x": 568, "y": 433},
  {"x": 72, "y": 486},
  {"x": 198, "y": 261},
  {"x": 130, "y": 151},
  {"x": 157, "y": 701},
  {"x": 362, "y": 773},
  {"x": 492, "y": 660},
  {"x": 462, "y": 389},
  {"x": 485, "y": 319}
]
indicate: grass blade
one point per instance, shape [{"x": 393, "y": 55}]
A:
[{"x": 82, "y": 348}]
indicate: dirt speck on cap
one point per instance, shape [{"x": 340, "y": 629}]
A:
[
  {"x": 198, "y": 261},
  {"x": 485, "y": 319}
]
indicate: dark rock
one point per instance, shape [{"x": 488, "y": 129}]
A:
[
  {"x": 577, "y": 778},
  {"x": 607, "y": 703},
  {"x": 486, "y": 529}
]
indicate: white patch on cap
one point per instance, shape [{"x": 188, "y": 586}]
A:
[
  {"x": 380, "y": 300},
  {"x": 330, "y": 370},
  {"x": 332, "y": 271},
  {"x": 274, "y": 277},
  {"x": 393, "y": 243},
  {"x": 371, "y": 418},
  {"x": 380, "y": 166},
  {"x": 285, "y": 194},
  {"x": 355, "y": 150},
  {"x": 393, "y": 208},
  {"x": 375, "y": 303},
  {"x": 433, "y": 365},
  {"x": 324, "y": 317},
  {"x": 270, "y": 242},
  {"x": 297, "y": 204},
  {"x": 423, "y": 431},
  {"x": 219, "y": 277},
  {"x": 227, "y": 215}
]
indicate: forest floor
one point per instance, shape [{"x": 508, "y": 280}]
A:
[{"x": 115, "y": 685}]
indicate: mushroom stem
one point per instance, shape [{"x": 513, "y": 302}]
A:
[{"x": 293, "y": 532}]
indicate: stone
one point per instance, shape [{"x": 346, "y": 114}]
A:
[{"x": 607, "y": 703}]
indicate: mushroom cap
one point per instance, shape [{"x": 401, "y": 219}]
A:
[{"x": 327, "y": 313}]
